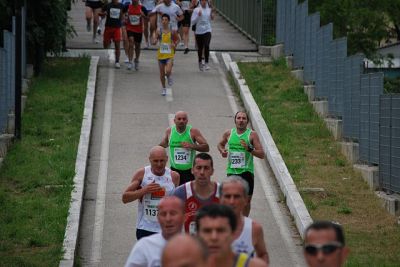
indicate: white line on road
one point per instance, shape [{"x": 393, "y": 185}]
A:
[
  {"x": 169, "y": 97},
  {"x": 97, "y": 241},
  {"x": 171, "y": 119}
]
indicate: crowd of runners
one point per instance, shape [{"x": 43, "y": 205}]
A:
[{"x": 163, "y": 23}]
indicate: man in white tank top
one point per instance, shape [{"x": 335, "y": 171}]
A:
[
  {"x": 149, "y": 185},
  {"x": 249, "y": 236}
]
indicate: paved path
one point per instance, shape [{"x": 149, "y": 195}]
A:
[{"x": 130, "y": 117}]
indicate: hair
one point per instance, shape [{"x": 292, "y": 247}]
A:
[
  {"x": 216, "y": 211},
  {"x": 241, "y": 111},
  {"x": 237, "y": 180},
  {"x": 327, "y": 225},
  {"x": 166, "y": 16},
  {"x": 203, "y": 156}
]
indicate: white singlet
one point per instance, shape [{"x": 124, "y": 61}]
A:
[
  {"x": 147, "y": 252},
  {"x": 147, "y": 206},
  {"x": 244, "y": 243}
]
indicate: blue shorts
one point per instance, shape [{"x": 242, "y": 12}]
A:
[{"x": 164, "y": 61}]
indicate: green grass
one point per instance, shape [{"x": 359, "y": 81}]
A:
[
  {"x": 36, "y": 178},
  {"x": 314, "y": 160}
]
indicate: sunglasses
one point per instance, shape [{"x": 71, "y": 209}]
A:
[{"x": 329, "y": 248}]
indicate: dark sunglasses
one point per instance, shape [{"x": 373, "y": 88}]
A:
[{"x": 312, "y": 249}]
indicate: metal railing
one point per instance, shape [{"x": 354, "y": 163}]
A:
[
  {"x": 255, "y": 18},
  {"x": 354, "y": 96}
]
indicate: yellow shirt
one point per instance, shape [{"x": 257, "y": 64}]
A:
[{"x": 165, "y": 50}]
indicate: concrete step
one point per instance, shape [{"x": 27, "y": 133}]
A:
[
  {"x": 351, "y": 151},
  {"x": 321, "y": 107},
  {"x": 335, "y": 126},
  {"x": 5, "y": 143},
  {"x": 370, "y": 174}
]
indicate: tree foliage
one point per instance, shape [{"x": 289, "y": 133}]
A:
[{"x": 365, "y": 23}]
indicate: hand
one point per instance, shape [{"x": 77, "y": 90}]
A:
[
  {"x": 199, "y": 12},
  {"x": 186, "y": 145},
  {"x": 244, "y": 144},
  {"x": 224, "y": 153},
  {"x": 153, "y": 187}
]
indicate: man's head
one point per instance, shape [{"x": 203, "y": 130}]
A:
[
  {"x": 165, "y": 19},
  {"x": 181, "y": 120},
  {"x": 158, "y": 160},
  {"x": 234, "y": 193},
  {"x": 215, "y": 225},
  {"x": 202, "y": 168},
  {"x": 324, "y": 245},
  {"x": 167, "y": 2},
  {"x": 241, "y": 120},
  {"x": 184, "y": 250},
  {"x": 171, "y": 215}
]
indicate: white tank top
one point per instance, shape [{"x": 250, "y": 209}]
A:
[
  {"x": 147, "y": 206},
  {"x": 244, "y": 243}
]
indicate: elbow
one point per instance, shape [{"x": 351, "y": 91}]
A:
[{"x": 124, "y": 199}]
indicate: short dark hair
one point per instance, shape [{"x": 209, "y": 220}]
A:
[
  {"x": 241, "y": 111},
  {"x": 215, "y": 211},
  {"x": 327, "y": 225},
  {"x": 166, "y": 16},
  {"x": 203, "y": 156}
]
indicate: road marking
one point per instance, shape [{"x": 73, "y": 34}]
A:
[
  {"x": 168, "y": 96},
  {"x": 272, "y": 201},
  {"x": 171, "y": 119},
  {"x": 97, "y": 241},
  {"x": 214, "y": 57}
]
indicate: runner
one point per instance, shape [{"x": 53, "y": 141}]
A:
[
  {"x": 187, "y": 7},
  {"x": 166, "y": 52},
  {"x": 134, "y": 26},
  {"x": 173, "y": 10},
  {"x": 147, "y": 251},
  {"x": 149, "y": 30},
  {"x": 114, "y": 13},
  {"x": 215, "y": 226},
  {"x": 243, "y": 144},
  {"x": 184, "y": 251},
  {"x": 183, "y": 141},
  {"x": 200, "y": 192},
  {"x": 92, "y": 11},
  {"x": 202, "y": 16},
  {"x": 249, "y": 236},
  {"x": 149, "y": 185},
  {"x": 125, "y": 39}
]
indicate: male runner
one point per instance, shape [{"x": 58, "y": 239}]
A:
[
  {"x": 243, "y": 143},
  {"x": 249, "y": 236},
  {"x": 183, "y": 141},
  {"x": 149, "y": 185},
  {"x": 215, "y": 226},
  {"x": 200, "y": 192}
]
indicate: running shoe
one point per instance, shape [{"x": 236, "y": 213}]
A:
[
  {"x": 88, "y": 26},
  {"x": 170, "y": 81},
  {"x": 126, "y": 61},
  {"x": 130, "y": 65},
  {"x": 186, "y": 50},
  {"x": 98, "y": 31},
  {"x": 164, "y": 91},
  {"x": 117, "y": 65},
  {"x": 206, "y": 67},
  {"x": 181, "y": 44},
  {"x": 136, "y": 65},
  {"x": 201, "y": 66}
]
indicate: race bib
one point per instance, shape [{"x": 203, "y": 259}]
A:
[
  {"x": 165, "y": 48},
  {"x": 115, "y": 13},
  {"x": 150, "y": 205},
  {"x": 181, "y": 155},
  {"x": 134, "y": 19},
  {"x": 237, "y": 160}
]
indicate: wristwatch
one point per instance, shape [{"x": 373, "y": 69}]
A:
[{"x": 250, "y": 148}]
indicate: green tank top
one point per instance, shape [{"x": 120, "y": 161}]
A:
[
  {"x": 180, "y": 158},
  {"x": 239, "y": 159}
]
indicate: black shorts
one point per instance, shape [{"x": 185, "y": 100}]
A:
[
  {"x": 186, "y": 19},
  {"x": 185, "y": 175},
  {"x": 137, "y": 36},
  {"x": 249, "y": 178},
  {"x": 94, "y": 4}
]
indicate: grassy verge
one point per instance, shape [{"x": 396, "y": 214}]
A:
[
  {"x": 314, "y": 160},
  {"x": 36, "y": 177}
]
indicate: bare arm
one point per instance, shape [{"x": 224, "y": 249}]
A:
[
  {"x": 164, "y": 141},
  {"x": 222, "y": 143},
  {"x": 258, "y": 150},
  {"x": 256, "y": 262},
  {"x": 200, "y": 143},
  {"x": 175, "y": 178},
  {"x": 259, "y": 243},
  {"x": 134, "y": 192}
]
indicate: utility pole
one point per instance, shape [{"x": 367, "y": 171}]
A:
[{"x": 18, "y": 65}]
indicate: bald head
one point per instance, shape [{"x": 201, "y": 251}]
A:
[
  {"x": 158, "y": 160},
  {"x": 157, "y": 151},
  {"x": 181, "y": 120},
  {"x": 184, "y": 250}
]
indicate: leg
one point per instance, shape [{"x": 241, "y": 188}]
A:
[
  {"x": 88, "y": 16},
  {"x": 207, "y": 40},
  {"x": 95, "y": 21},
  {"x": 185, "y": 31},
  {"x": 162, "y": 73},
  {"x": 168, "y": 71},
  {"x": 153, "y": 26},
  {"x": 117, "y": 50},
  {"x": 146, "y": 30},
  {"x": 125, "y": 41},
  {"x": 130, "y": 49}
]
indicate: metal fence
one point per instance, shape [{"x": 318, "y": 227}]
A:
[
  {"x": 7, "y": 71},
  {"x": 255, "y": 18},
  {"x": 353, "y": 96}
]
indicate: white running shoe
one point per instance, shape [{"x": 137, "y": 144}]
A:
[
  {"x": 136, "y": 65},
  {"x": 170, "y": 80},
  {"x": 206, "y": 67},
  {"x": 117, "y": 65},
  {"x": 164, "y": 91},
  {"x": 126, "y": 61},
  {"x": 201, "y": 66},
  {"x": 130, "y": 65}
]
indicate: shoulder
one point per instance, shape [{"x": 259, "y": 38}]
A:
[
  {"x": 180, "y": 192},
  {"x": 139, "y": 173},
  {"x": 256, "y": 262},
  {"x": 256, "y": 228}
]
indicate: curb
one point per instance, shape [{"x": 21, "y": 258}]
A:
[
  {"x": 75, "y": 208},
  {"x": 293, "y": 199}
]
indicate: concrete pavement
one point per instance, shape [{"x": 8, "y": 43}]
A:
[{"x": 130, "y": 117}]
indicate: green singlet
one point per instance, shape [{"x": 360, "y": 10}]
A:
[
  {"x": 239, "y": 159},
  {"x": 181, "y": 158}
]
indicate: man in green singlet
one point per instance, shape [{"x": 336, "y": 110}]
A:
[
  {"x": 183, "y": 140},
  {"x": 242, "y": 144}
]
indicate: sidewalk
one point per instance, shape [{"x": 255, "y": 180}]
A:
[{"x": 130, "y": 116}]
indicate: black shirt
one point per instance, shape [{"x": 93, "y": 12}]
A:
[{"x": 114, "y": 14}]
